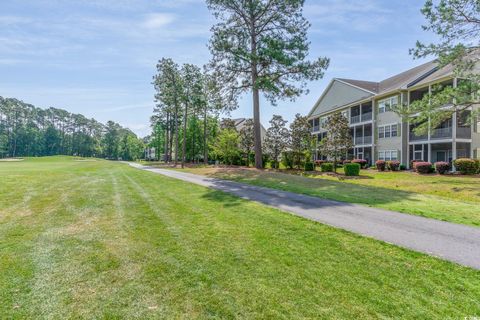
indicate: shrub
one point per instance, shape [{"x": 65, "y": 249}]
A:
[
  {"x": 309, "y": 166},
  {"x": 352, "y": 169},
  {"x": 363, "y": 163},
  {"x": 466, "y": 166},
  {"x": 274, "y": 164},
  {"x": 380, "y": 164},
  {"x": 477, "y": 161},
  {"x": 347, "y": 161},
  {"x": 393, "y": 165},
  {"x": 319, "y": 162},
  {"x": 442, "y": 167},
  {"x": 326, "y": 167},
  {"x": 412, "y": 163},
  {"x": 403, "y": 167},
  {"x": 423, "y": 167},
  {"x": 287, "y": 159}
]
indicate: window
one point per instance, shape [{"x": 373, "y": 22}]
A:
[
  {"x": 387, "y": 104},
  {"x": 394, "y": 130},
  {"x": 387, "y": 131},
  {"x": 388, "y": 155},
  {"x": 381, "y": 132}
]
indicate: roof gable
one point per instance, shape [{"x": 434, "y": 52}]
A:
[{"x": 337, "y": 94}]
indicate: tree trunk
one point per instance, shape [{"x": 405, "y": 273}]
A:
[
  {"x": 194, "y": 125},
  {"x": 184, "y": 147},
  {"x": 256, "y": 101},
  {"x": 205, "y": 148},
  {"x": 176, "y": 135},
  {"x": 166, "y": 138}
]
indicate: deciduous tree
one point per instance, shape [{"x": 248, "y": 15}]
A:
[
  {"x": 277, "y": 138},
  {"x": 338, "y": 140}
]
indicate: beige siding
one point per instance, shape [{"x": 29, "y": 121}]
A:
[
  {"x": 395, "y": 143},
  {"x": 339, "y": 94}
]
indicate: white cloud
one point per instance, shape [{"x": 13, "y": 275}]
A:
[{"x": 157, "y": 20}]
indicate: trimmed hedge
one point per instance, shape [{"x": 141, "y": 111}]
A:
[
  {"x": 403, "y": 167},
  {"x": 309, "y": 166},
  {"x": 351, "y": 169},
  {"x": 362, "y": 162},
  {"x": 393, "y": 165},
  {"x": 380, "y": 164},
  {"x": 442, "y": 167},
  {"x": 423, "y": 167},
  {"x": 326, "y": 167},
  {"x": 466, "y": 166}
]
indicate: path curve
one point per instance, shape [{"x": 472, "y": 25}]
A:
[{"x": 449, "y": 241}]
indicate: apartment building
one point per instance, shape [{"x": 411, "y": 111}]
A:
[{"x": 380, "y": 134}]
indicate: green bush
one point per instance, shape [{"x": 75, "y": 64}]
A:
[
  {"x": 351, "y": 169},
  {"x": 326, "y": 167},
  {"x": 403, "y": 167},
  {"x": 466, "y": 166},
  {"x": 309, "y": 166},
  {"x": 287, "y": 159}
]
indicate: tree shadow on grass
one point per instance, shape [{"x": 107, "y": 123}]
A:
[{"x": 331, "y": 194}]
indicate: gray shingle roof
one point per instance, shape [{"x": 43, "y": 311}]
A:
[{"x": 399, "y": 81}]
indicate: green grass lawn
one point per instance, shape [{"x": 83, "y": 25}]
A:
[
  {"x": 98, "y": 239},
  {"x": 449, "y": 198}
]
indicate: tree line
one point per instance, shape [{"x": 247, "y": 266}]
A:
[{"x": 28, "y": 131}]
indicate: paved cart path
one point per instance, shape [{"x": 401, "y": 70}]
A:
[{"x": 449, "y": 241}]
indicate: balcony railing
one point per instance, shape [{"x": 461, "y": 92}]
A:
[
  {"x": 361, "y": 118},
  {"x": 363, "y": 140},
  {"x": 414, "y": 137},
  {"x": 355, "y": 119},
  {"x": 464, "y": 132},
  {"x": 441, "y": 133},
  {"x": 367, "y": 116}
]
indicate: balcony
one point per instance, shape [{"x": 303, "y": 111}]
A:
[
  {"x": 441, "y": 133},
  {"x": 355, "y": 119},
  {"x": 363, "y": 140},
  {"x": 414, "y": 137},
  {"x": 464, "y": 132},
  {"x": 366, "y": 116},
  {"x": 315, "y": 128}
]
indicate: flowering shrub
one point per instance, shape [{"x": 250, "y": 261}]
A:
[
  {"x": 363, "y": 163},
  {"x": 393, "y": 165},
  {"x": 442, "y": 167},
  {"x": 423, "y": 167},
  {"x": 352, "y": 169},
  {"x": 347, "y": 161},
  {"x": 319, "y": 162},
  {"x": 466, "y": 166},
  {"x": 380, "y": 164},
  {"x": 412, "y": 163}
]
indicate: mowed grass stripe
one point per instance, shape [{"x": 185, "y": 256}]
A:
[{"x": 130, "y": 244}]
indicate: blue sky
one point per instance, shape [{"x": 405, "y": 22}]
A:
[{"x": 97, "y": 57}]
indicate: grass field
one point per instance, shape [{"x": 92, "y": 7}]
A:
[
  {"x": 97, "y": 239},
  {"x": 449, "y": 198}
]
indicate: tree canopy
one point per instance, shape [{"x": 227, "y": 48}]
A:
[{"x": 261, "y": 46}]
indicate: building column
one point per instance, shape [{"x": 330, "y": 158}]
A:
[{"x": 429, "y": 152}]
